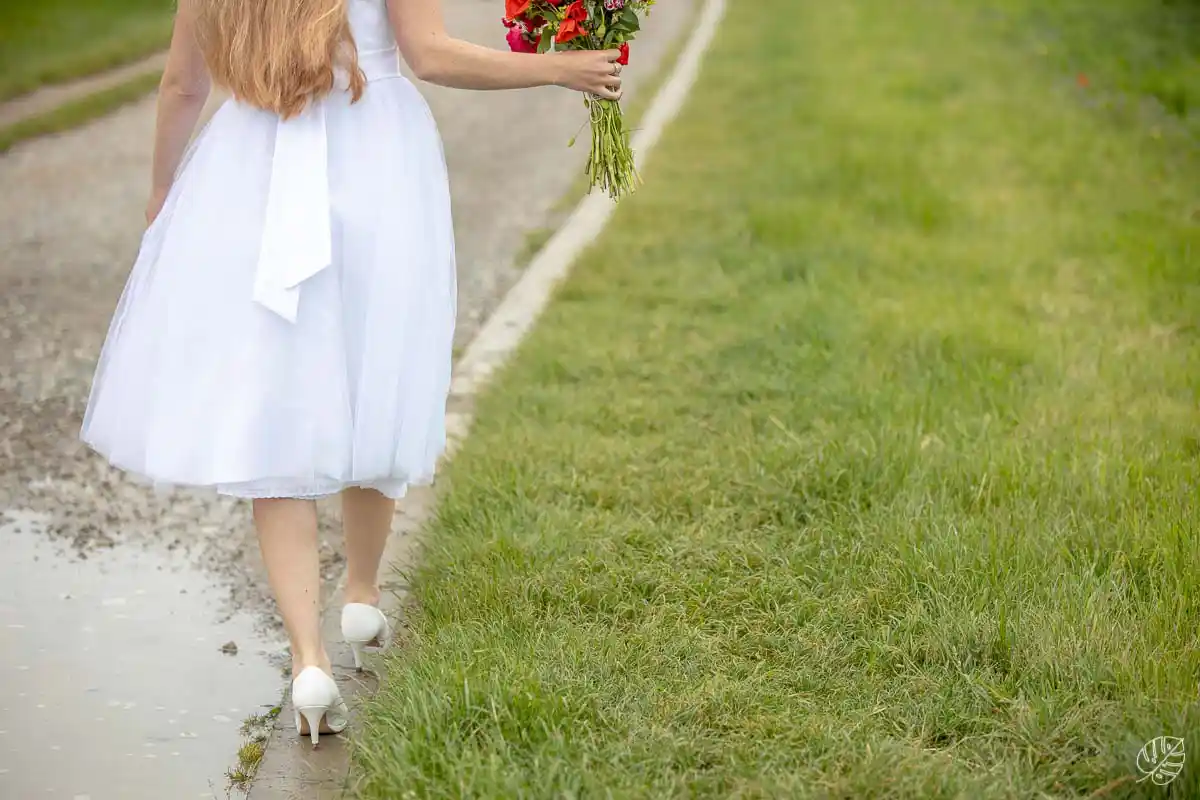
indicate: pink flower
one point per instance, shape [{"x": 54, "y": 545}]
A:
[
  {"x": 614, "y": 5},
  {"x": 517, "y": 41}
]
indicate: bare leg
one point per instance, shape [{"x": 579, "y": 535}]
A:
[
  {"x": 287, "y": 535},
  {"x": 367, "y": 522}
]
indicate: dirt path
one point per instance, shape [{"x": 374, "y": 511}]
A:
[
  {"x": 51, "y": 97},
  {"x": 154, "y": 585}
]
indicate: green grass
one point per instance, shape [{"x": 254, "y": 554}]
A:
[
  {"x": 78, "y": 112},
  {"x": 255, "y": 731},
  {"x": 50, "y": 41},
  {"x": 859, "y": 459},
  {"x": 1125, "y": 51}
]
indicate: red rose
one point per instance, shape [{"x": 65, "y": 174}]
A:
[
  {"x": 515, "y": 8},
  {"x": 571, "y": 26},
  {"x": 624, "y": 59}
]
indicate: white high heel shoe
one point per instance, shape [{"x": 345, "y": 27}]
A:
[
  {"x": 363, "y": 624},
  {"x": 315, "y": 696}
]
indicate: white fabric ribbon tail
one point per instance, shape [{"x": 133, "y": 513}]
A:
[{"x": 297, "y": 240}]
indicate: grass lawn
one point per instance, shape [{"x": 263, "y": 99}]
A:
[
  {"x": 1127, "y": 51},
  {"x": 859, "y": 459},
  {"x": 47, "y": 41}
]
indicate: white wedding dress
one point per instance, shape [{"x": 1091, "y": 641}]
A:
[{"x": 287, "y": 327}]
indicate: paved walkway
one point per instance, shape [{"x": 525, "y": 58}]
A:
[{"x": 150, "y": 588}]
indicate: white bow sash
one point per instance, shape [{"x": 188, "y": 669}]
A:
[{"x": 297, "y": 239}]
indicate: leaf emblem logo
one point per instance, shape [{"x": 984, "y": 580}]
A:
[{"x": 1161, "y": 760}]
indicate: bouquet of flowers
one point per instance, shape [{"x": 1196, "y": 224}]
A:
[{"x": 538, "y": 26}]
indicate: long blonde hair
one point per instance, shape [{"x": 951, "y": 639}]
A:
[{"x": 278, "y": 54}]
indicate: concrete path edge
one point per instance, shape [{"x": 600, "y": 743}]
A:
[{"x": 295, "y": 772}]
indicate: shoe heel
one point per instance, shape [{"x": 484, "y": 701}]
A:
[
  {"x": 357, "y": 649},
  {"x": 385, "y": 637},
  {"x": 363, "y": 625},
  {"x": 313, "y": 717}
]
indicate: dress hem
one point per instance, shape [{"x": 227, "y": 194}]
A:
[{"x": 275, "y": 488}]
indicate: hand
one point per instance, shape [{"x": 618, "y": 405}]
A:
[
  {"x": 154, "y": 205},
  {"x": 593, "y": 71}
]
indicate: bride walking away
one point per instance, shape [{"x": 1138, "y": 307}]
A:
[{"x": 286, "y": 331}]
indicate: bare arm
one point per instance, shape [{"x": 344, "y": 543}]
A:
[
  {"x": 181, "y": 97},
  {"x": 439, "y": 58}
]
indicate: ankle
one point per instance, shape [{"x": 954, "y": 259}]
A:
[
  {"x": 368, "y": 595},
  {"x": 321, "y": 660}
]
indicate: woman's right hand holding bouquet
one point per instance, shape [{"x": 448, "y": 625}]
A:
[{"x": 595, "y": 72}]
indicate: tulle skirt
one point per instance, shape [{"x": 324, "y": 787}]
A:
[{"x": 200, "y": 385}]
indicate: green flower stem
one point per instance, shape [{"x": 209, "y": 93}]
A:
[{"x": 610, "y": 164}]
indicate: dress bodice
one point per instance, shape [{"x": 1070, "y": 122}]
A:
[{"x": 370, "y": 25}]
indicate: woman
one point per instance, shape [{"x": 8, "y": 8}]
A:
[{"x": 286, "y": 331}]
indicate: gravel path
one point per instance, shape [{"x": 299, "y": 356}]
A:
[{"x": 69, "y": 228}]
